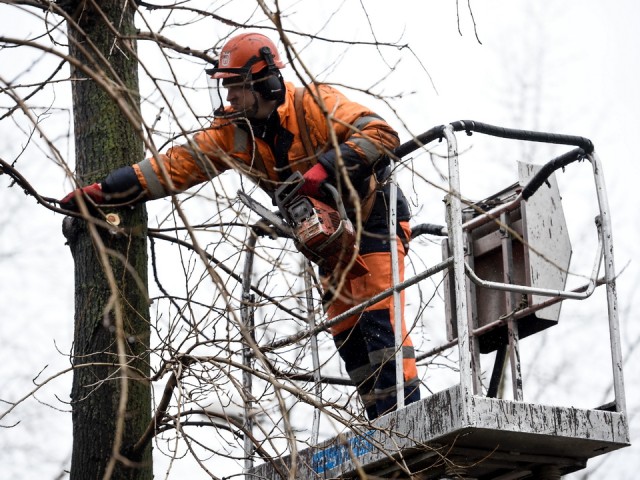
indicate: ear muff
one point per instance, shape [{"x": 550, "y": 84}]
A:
[{"x": 271, "y": 86}]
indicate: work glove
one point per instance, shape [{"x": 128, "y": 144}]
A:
[
  {"x": 93, "y": 192},
  {"x": 313, "y": 180}
]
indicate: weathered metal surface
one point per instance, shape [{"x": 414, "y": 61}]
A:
[
  {"x": 610, "y": 278},
  {"x": 547, "y": 239},
  {"x": 455, "y": 434},
  {"x": 539, "y": 252},
  {"x": 429, "y": 437}
]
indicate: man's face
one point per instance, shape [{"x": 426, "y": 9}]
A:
[{"x": 240, "y": 96}]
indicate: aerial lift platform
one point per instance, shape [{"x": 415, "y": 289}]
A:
[{"x": 505, "y": 261}]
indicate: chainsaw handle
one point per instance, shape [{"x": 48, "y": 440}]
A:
[
  {"x": 336, "y": 197},
  {"x": 289, "y": 190},
  {"x": 286, "y": 192}
]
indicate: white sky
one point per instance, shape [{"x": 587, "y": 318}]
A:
[{"x": 576, "y": 60}]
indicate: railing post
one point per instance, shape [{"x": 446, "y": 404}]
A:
[
  {"x": 395, "y": 277},
  {"x": 610, "y": 279},
  {"x": 454, "y": 227}
]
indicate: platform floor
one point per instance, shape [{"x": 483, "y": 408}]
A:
[{"x": 448, "y": 435}]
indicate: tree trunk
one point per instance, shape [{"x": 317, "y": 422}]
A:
[{"x": 111, "y": 402}]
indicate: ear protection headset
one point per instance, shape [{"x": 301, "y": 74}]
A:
[{"x": 270, "y": 84}]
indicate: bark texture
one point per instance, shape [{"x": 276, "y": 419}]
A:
[{"x": 108, "y": 311}]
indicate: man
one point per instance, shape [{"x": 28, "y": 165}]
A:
[{"x": 265, "y": 133}]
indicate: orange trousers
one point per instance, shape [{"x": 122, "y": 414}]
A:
[{"x": 366, "y": 341}]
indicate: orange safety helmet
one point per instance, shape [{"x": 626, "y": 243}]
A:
[{"x": 245, "y": 55}]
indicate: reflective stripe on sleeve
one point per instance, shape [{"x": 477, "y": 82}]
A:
[
  {"x": 365, "y": 120},
  {"x": 154, "y": 187},
  {"x": 370, "y": 149}
]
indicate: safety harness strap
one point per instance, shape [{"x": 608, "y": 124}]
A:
[
  {"x": 302, "y": 122},
  {"x": 368, "y": 201}
]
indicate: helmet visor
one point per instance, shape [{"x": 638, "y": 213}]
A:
[{"x": 230, "y": 92}]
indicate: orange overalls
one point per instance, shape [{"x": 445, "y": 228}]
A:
[
  {"x": 268, "y": 154},
  {"x": 366, "y": 341}
]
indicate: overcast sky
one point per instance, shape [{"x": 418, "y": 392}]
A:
[{"x": 567, "y": 67}]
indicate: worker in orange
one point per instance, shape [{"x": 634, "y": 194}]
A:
[{"x": 264, "y": 132}]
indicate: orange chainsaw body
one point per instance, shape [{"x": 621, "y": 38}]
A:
[{"x": 323, "y": 236}]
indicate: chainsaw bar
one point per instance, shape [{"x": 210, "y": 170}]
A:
[{"x": 271, "y": 217}]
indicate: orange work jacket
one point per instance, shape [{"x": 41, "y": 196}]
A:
[{"x": 362, "y": 137}]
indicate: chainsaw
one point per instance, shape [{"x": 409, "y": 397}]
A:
[{"x": 322, "y": 233}]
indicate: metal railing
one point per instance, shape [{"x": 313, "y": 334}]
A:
[{"x": 461, "y": 270}]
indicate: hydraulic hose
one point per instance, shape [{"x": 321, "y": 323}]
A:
[
  {"x": 469, "y": 126},
  {"x": 527, "y": 135},
  {"x": 428, "y": 229},
  {"x": 550, "y": 167}
]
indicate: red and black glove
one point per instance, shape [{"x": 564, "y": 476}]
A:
[
  {"x": 313, "y": 180},
  {"x": 93, "y": 192},
  {"x": 121, "y": 187}
]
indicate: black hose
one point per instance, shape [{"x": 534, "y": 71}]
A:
[
  {"x": 421, "y": 140},
  {"x": 469, "y": 126},
  {"x": 428, "y": 229},
  {"x": 528, "y": 135},
  {"x": 550, "y": 167}
]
